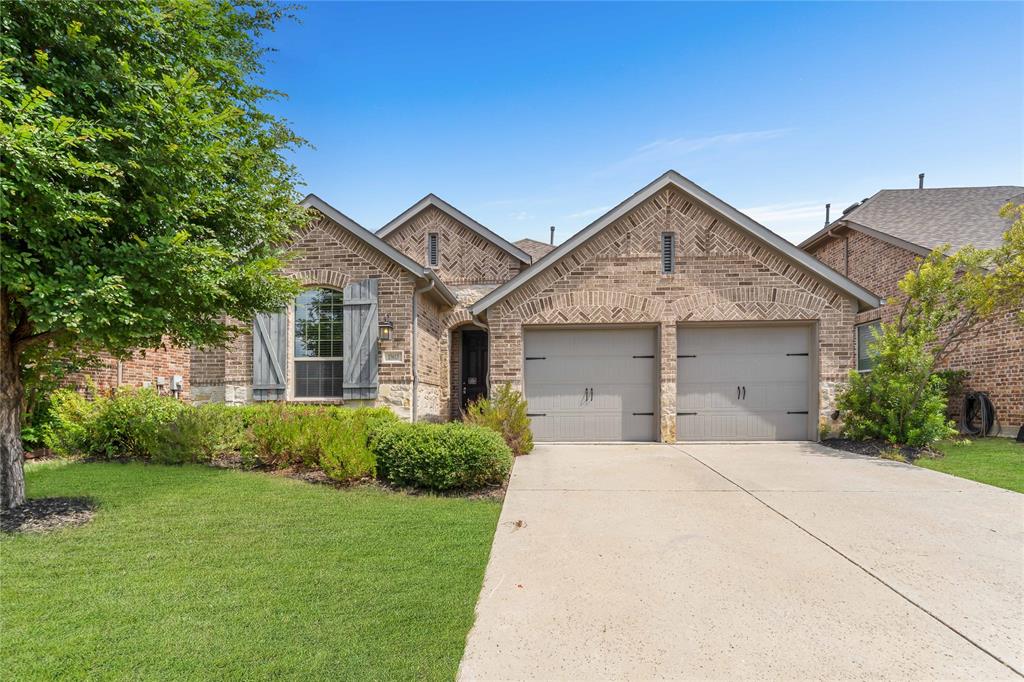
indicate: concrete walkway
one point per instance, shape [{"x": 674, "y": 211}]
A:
[{"x": 778, "y": 561}]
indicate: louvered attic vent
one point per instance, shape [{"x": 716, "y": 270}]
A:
[
  {"x": 668, "y": 253},
  {"x": 433, "y": 250}
]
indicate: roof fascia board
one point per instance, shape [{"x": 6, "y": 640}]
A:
[
  {"x": 864, "y": 297},
  {"x": 888, "y": 238},
  {"x": 456, "y": 214},
  {"x": 360, "y": 232}
]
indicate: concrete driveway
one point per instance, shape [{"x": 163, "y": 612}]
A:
[{"x": 782, "y": 560}]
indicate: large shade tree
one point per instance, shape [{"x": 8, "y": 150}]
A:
[{"x": 144, "y": 188}]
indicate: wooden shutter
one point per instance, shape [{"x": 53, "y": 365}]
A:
[
  {"x": 269, "y": 356},
  {"x": 360, "y": 340}
]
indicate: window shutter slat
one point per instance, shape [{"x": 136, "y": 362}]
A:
[
  {"x": 269, "y": 338},
  {"x": 360, "y": 377}
]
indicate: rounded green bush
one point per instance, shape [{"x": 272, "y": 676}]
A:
[{"x": 452, "y": 456}]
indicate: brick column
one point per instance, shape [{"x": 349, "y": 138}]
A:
[{"x": 667, "y": 349}]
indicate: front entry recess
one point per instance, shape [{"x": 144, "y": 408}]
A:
[
  {"x": 591, "y": 384},
  {"x": 474, "y": 365}
]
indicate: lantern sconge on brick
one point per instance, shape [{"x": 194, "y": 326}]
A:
[{"x": 385, "y": 328}]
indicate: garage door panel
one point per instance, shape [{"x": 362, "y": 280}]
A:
[
  {"x": 737, "y": 383},
  {"x": 618, "y": 364}
]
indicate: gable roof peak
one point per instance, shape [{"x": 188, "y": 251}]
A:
[
  {"x": 460, "y": 217},
  {"x": 361, "y": 233},
  {"x": 864, "y": 297}
]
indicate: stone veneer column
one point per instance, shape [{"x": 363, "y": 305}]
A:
[{"x": 667, "y": 348}]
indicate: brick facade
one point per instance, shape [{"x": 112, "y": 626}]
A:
[
  {"x": 154, "y": 368},
  {"x": 993, "y": 358},
  {"x": 325, "y": 254},
  {"x": 465, "y": 256},
  {"x": 722, "y": 275}
]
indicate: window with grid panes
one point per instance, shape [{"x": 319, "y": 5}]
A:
[{"x": 318, "y": 356}]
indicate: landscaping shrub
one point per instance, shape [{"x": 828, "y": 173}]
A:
[
  {"x": 451, "y": 456},
  {"x": 332, "y": 438},
  {"x": 199, "y": 434},
  {"x": 505, "y": 412},
  {"x": 901, "y": 399},
  {"x": 122, "y": 425}
]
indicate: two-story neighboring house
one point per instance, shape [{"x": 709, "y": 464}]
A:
[
  {"x": 671, "y": 317},
  {"x": 876, "y": 242}
]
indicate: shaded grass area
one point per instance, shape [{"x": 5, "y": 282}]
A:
[
  {"x": 996, "y": 461},
  {"x": 194, "y": 572}
]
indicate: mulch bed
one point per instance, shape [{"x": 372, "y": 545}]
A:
[
  {"x": 46, "y": 514},
  {"x": 876, "y": 448}
]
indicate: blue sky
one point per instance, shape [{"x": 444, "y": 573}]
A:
[{"x": 530, "y": 115}]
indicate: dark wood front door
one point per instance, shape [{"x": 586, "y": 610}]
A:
[{"x": 474, "y": 365}]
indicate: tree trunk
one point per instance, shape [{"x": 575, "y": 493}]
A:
[{"x": 12, "y": 460}]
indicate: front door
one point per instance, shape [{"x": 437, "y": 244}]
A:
[{"x": 474, "y": 365}]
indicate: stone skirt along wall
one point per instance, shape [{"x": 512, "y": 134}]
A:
[{"x": 722, "y": 274}]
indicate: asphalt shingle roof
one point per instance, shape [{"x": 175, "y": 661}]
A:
[
  {"x": 536, "y": 249},
  {"x": 931, "y": 217}
]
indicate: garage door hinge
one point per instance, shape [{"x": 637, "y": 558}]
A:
[{"x": 685, "y": 414}]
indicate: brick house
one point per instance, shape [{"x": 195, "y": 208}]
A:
[
  {"x": 877, "y": 241},
  {"x": 672, "y": 317},
  {"x": 166, "y": 370}
]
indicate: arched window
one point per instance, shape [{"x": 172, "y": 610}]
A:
[{"x": 318, "y": 344}]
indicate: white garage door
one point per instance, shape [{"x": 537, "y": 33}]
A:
[
  {"x": 743, "y": 383},
  {"x": 591, "y": 384}
]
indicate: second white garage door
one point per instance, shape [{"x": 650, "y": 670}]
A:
[
  {"x": 591, "y": 384},
  {"x": 743, "y": 383}
]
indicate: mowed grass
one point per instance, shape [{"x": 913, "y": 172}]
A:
[
  {"x": 996, "y": 461},
  {"x": 194, "y": 572}
]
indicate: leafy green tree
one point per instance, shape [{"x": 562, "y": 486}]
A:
[
  {"x": 945, "y": 300},
  {"x": 145, "y": 191}
]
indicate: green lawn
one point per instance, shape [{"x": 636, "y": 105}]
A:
[
  {"x": 996, "y": 461},
  {"x": 194, "y": 572}
]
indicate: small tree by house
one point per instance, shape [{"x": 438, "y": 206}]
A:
[
  {"x": 945, "y": 300},
  {"x": 144, "y": 188}
]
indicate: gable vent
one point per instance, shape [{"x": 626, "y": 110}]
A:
[
  {"x": 668, "y": 252},
  {"x": 433, "y": 250}
]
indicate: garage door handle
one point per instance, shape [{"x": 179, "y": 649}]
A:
[
  {"x": 737, "y": 393},
  {"x": 744, "y": 392}
]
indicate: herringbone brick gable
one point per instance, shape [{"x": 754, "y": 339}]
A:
[{"x": 465, "y": 256}]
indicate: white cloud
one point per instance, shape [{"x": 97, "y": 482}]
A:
[
  {"x": 588, "y": 213},
  {"x": 670, "y": 149},
  {"x": 795, "y": 220},
  {"x": 521, "y": 216}
]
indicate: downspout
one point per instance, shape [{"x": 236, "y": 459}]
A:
[{"x": 415, "y": 325}]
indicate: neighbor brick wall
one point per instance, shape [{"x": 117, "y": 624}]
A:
[
  {"x": 466, "y": 257},
  {"x": 141, "y": 368},
  {"x": 722, "y": 274},
  {"x": 995, "y": 358}
]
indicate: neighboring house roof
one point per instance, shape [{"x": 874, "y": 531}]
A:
[
  {"x": 928, "y": 218},
  {"x": 864, "y": 297},
  {"x": 360, "y": 232},
  {"x": 443, "y": 206},
  {"x": 536, "y": 249}
]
